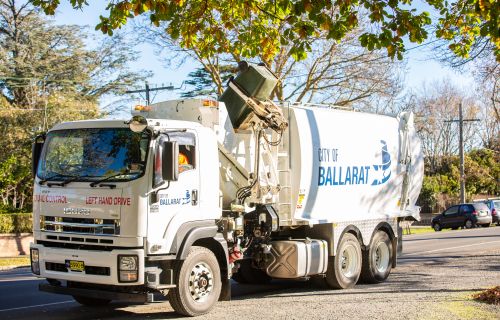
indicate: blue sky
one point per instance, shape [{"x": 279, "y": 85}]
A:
[{"x": 420, "y": 67}]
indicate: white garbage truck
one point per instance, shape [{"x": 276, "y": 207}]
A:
[{"x": 189, "y": 194}]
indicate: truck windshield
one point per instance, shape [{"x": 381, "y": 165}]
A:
[{"x": 93, "y": 154}]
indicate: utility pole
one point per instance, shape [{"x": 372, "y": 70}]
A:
[
  {"x": 147, "y": 90},
  {"x": 461, "y": 121}
]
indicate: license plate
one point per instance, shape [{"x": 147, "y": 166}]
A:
[{"x": 74, "y": 265}]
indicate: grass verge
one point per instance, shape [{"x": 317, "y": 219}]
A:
[{"x": 22, "y": 261}]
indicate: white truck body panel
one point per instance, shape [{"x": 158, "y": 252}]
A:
[{"x": 337, "y": 160}]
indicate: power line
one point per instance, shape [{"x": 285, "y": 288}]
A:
[{"x": 147, "y": 90}]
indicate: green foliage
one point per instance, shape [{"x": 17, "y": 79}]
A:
[
  {"x": 258, "y": 26},
  {"x": 442, "y": 187},
  {"x": 465, "y": 22},
  {"x": 47, "y": 76},
  {"x": 16, "y": 223}
]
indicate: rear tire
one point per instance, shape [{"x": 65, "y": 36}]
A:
[
  {"x": 377, "y": 259},
  {"x": 468, "y": 224},
  {"x": 486, "y": 225},
  {"x": 344, "y": 268},
  {"x": 198, "y": 281},
  {"x": 436, "y": 226},
  {"x": 91, "y": 302}
]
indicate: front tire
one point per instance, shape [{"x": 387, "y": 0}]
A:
[
  {"x": 198, "y": 281},
  {"x": 377, "y": 260},
  {"x": 91, "y": 302},
  {"x": 344, "y": 269},
  {"x": 436, "y": 227}
]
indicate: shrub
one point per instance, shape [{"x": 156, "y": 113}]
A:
[{"x": 16, "y": 223}]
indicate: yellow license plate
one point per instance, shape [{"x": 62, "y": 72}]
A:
[{"x": 74, "y": 265}]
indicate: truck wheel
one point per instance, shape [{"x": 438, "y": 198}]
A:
[
  {"x": 377, "y": 260},
  {"x": 250, "y": 275},
  {"x": 344, "y": 269},
  {"x": 91, "y": 302},
  {"x": 198, "y": 282}
]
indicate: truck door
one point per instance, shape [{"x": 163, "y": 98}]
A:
[{"x": 175, "y": 199}]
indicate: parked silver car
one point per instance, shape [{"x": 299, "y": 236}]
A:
[{"x": 494, "y": 206}]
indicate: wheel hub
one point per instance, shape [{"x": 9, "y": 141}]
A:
[
  {"x": 381, "y": 257},
  {"x": 200, "y": 282},
  {"x": 348, "y": 261}
]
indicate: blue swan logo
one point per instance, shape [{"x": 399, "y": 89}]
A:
[{"x": 384, "y": 168}]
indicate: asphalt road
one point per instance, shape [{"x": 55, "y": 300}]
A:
[{"x": 20, "y": 298}]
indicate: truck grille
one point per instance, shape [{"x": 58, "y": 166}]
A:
[
  {"x": 91, "y": 226},
  {"x": 61, "y": 267}
]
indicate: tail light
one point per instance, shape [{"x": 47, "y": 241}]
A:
[
  {"x": 474, "y": 212},
  {"x": 493, "y": 212}
]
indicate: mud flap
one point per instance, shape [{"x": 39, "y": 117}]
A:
[{"x": 225, "y": 293}]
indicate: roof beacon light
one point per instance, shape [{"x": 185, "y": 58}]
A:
[
  {"x": 210, "y": 103},
  {"x": 142, "y": 108}
]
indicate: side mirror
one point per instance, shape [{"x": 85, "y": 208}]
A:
[
  {"x": 170, "y": 161},
  {"x": 36, "y": 151}
]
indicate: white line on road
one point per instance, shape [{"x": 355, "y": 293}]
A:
[
  {"x": 37, "y": 305},
  {"x": 443, "y": 249}
]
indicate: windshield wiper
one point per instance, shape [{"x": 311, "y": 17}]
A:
[
  {"x": 95, "y": 183},
  {"x": 57, "y": 176},
  {"x": 63, "y": 182}
]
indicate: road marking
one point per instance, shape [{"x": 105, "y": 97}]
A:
[
  {"x": 442, "y": 249},
  {"x": 447, "y": 232},
  {"x": 37, "y": 305}
]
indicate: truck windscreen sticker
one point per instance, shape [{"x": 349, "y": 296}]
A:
[
  {"x": 353, "y": 175},
  {"x": 109, "y": 201},
  {"x": 45, "y": 198}
]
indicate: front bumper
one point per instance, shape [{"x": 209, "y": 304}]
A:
[
  {"x": 102, "y": 265},
  {"x": 101, "y": 294}
]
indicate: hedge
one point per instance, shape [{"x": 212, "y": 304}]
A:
[{"x": 16, "y": 223}]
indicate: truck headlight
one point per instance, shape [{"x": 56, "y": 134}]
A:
[
  {"x": 35, "y": 261},
  {"x": 128, "y": 269}
]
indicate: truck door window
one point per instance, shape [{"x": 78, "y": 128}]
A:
[
  {"x": 187, "y": 153},
  {"x": 186, "y": 158}
]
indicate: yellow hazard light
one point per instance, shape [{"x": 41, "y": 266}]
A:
[
  {"x": 142, "y": 108},
  {"x": 210, "y": 103}
]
